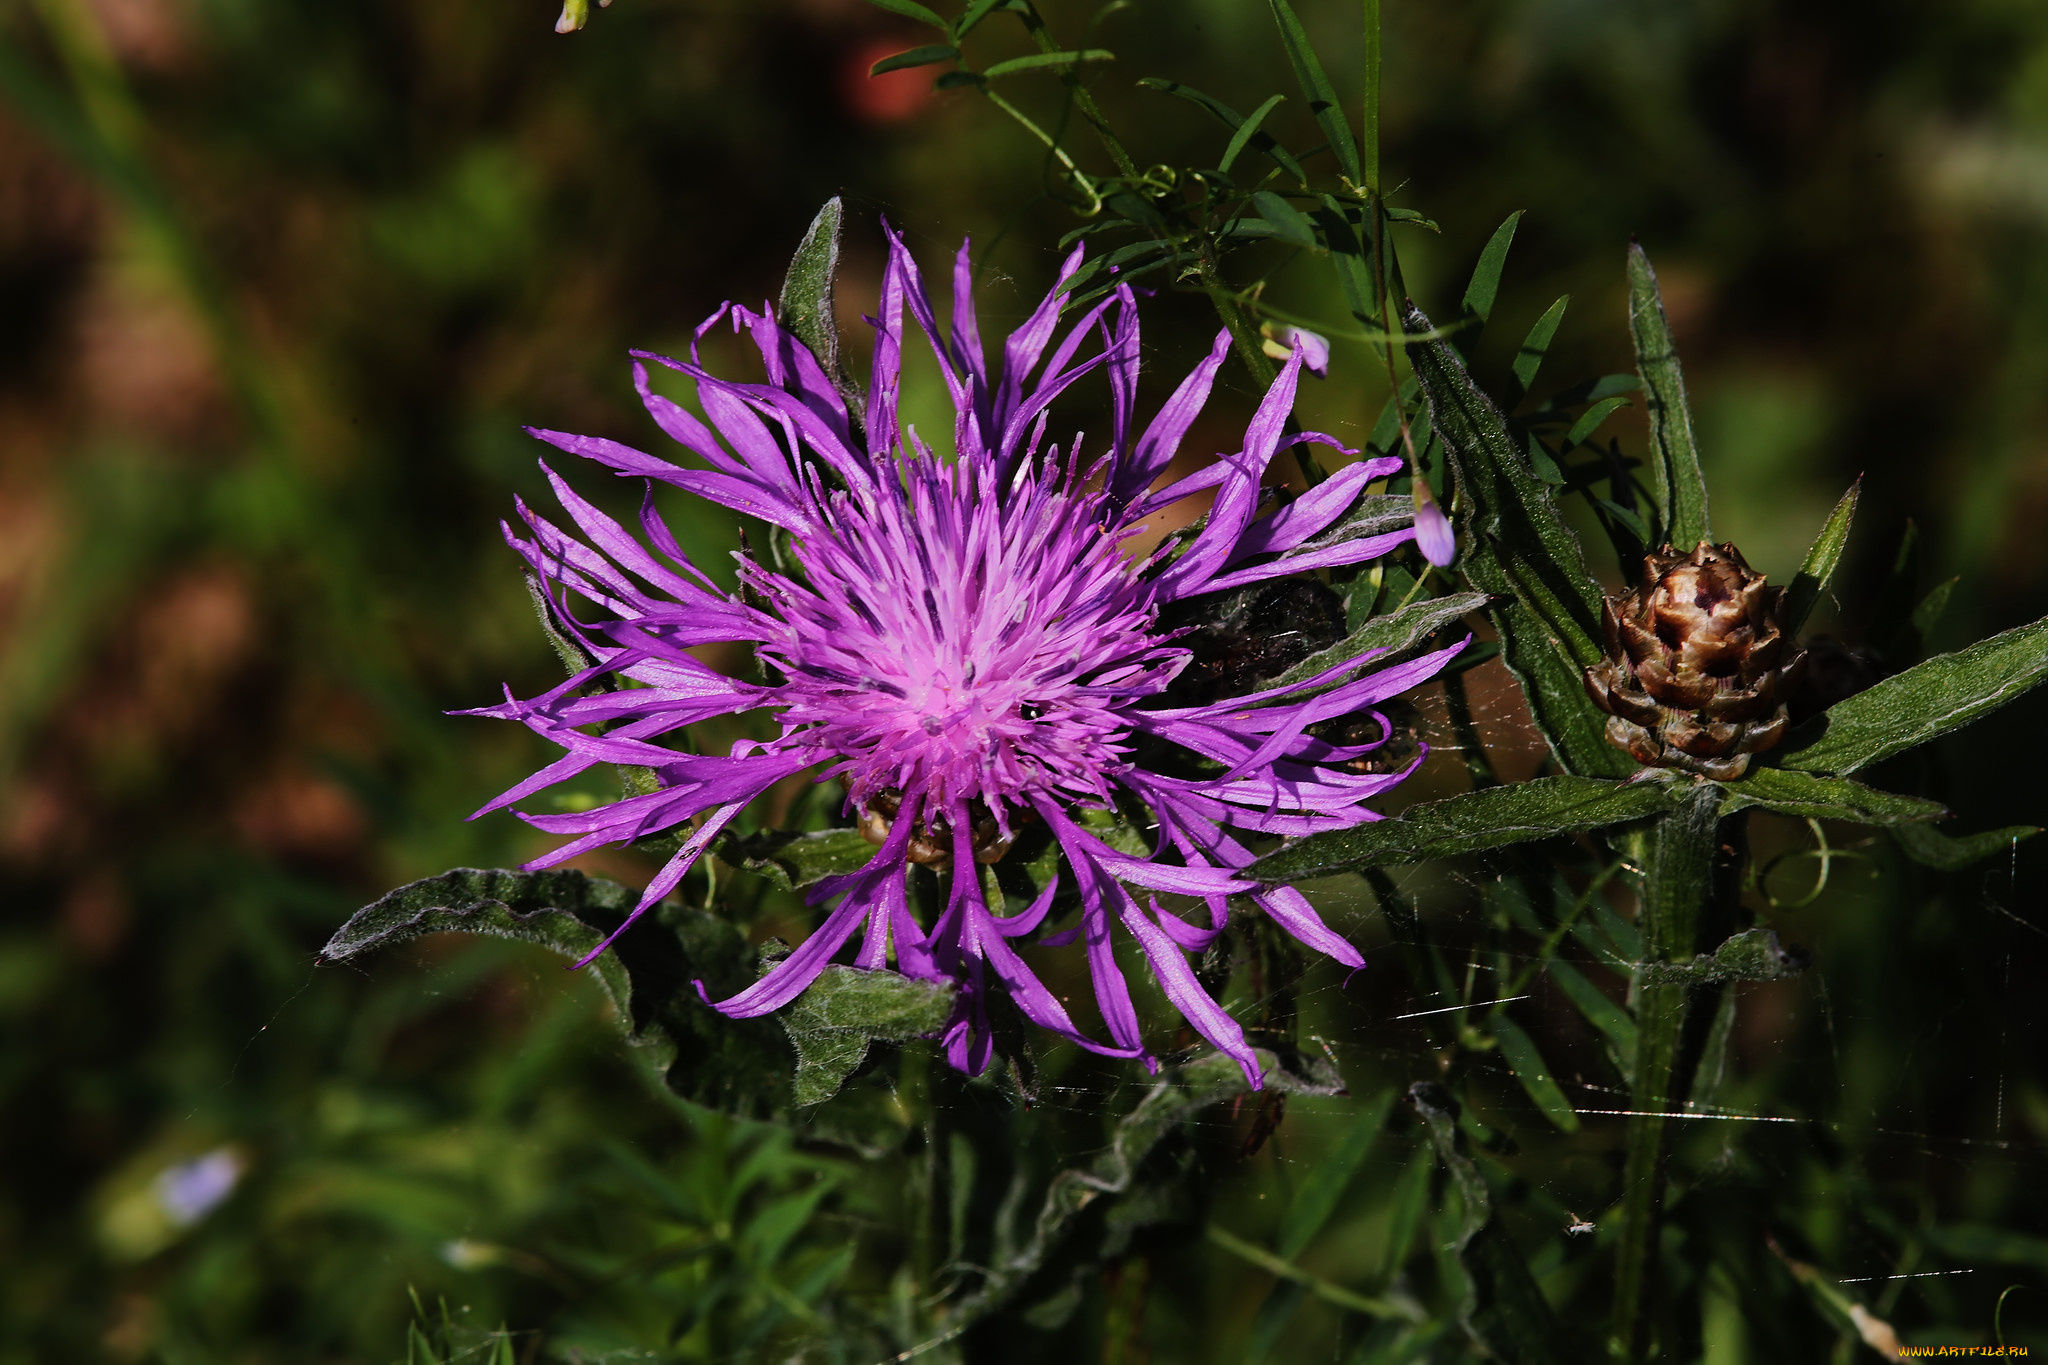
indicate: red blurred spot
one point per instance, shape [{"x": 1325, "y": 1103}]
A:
[{"x": 890, "y": 97}]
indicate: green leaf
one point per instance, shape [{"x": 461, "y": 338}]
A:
[
  {"x": 1752, "y": 955},
  {"x": 1128, "y": 1183},
  {"x": 1929, "y": 611},
  {"x": 1039, "y": 61},
  {"x": 1316, "y": 1198},
  {"x": 1825, "y": 798},
  {"x": 806, "y": 306},
  {"x": 1518, "y": 1049},
  {"x": 794, "y": 861},
  {"x": 1931, "y": 848},
  {"x": 1487, "y": 818},
  {"x": 1290, "y": 224},
  {"x": 1590, "y": 420},
  {"x": 972, "y": 16},
  {"x": 1246, "y": 130},
  {"x": 1395, "y": 633},
  {"x": 834, "y": 1020},
  {"x": 1503, "y": 1306},
  {"x": 1262, "y": 143},
  {"x": 1484, "y": 286},
  {"x": 1401, "y": 215},
  {"x": 1322, "y": 96},
  {"x": 1924, "y": 702},
  {"x": 1820, "y": 562},
  {"x": 739, "y": 1066},
  {"x": 910, "y": 9},
  {"x": 1681, "y": 489},
  {"x": 1600, "y": 1011},
  {"x": 1536, "y": 346},
  {"x": 1519, "y": 549},
  {"x": 916, "y": 56}
]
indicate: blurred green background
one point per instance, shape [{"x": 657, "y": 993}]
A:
[{"x": 281, "y": 282}]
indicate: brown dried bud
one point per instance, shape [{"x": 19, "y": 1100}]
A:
[{"x": 1697, "y": 674}]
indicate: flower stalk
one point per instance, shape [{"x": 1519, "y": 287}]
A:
[{"x": 1676, "y": 854}]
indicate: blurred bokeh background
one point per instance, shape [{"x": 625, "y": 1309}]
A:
[{"x": 279, "y": 283}]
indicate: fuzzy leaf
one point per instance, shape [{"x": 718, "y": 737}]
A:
[
  {"x": 1487, "y": 818},
  {"x": 1923, "y": 703},
  {"x": 1518, "y": 1049},
  {"x": 832, "y": 1023},
  {"x": 739, "y": 1066},
  {"x": 1315, "y": 84},
  {"x": 1929, "y": 847},
  {"x": 1503, "y": 1306},
  {"x": 1519, "y": 549},
  {"x": 1821, "y": 560},
  {"x": 1395, "y": 632},
  {"x": 1681, "y": 489},
  {"x": 1752, "y": 955},
  {"x": 1826, "y": 798},
  {"x": 806, "y": 305},
  {"x": 794, "y": 861},
  {"x": 1135, "y": 1172}
]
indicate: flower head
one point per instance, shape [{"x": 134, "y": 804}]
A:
[{"x": 969, "y": 645}]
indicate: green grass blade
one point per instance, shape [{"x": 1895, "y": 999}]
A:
[{"x": 1315, "y": 85}]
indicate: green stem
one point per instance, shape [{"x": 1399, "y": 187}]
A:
[
  {"x": 1035, "y": 25},
  {"x": 1369, "y": 121},
  {"x": 1676, "y": 853},
  {"x": 1243, "y": 336},
  {"x": 1082, "y": 180}
]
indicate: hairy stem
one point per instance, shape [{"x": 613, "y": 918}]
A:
[{"x": 1676, "y": 853}]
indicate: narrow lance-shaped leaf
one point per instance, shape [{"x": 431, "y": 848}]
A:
[
  {"x": 1535, "y": 346},
  {"x": 1039, "y": 61},
  {"x": 1315, "y": 85},
  {"x": 1262, "y": 143},
  {"x": 1246, "y": 131},
  {"x": 1518, "y": 1050},
  {"x": 1820, "y": 562},
  {"x": 1519, "y": 549},
  {"x": 1484, "y": 285},
  {"x": 1488, "y": 818},
  {"x": 1600, "y": 1011},
  {"x": 1675, "y": 467},
  {"x": 1924, "y": 702},
  {"x": 916, "y": 56},
  {"x": 1316, "y": 1199}
]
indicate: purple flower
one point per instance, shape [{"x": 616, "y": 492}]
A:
[{"x": 971, "y": 646}]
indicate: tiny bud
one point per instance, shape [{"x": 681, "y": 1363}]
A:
[
  {"x": 575, "y": 13},
  {"x": 1433, "y": 534}
]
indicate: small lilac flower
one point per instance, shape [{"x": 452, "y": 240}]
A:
[
  {"x": 1280, "y": 340},
  {"x": 970, "y": 646},
  {"x": 1433, "y": 534}
]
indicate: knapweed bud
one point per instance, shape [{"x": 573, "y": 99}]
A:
[{"x": 1697, "y": 668}]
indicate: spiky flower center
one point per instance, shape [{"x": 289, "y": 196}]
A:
[{"x": 961, "y": 648}]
